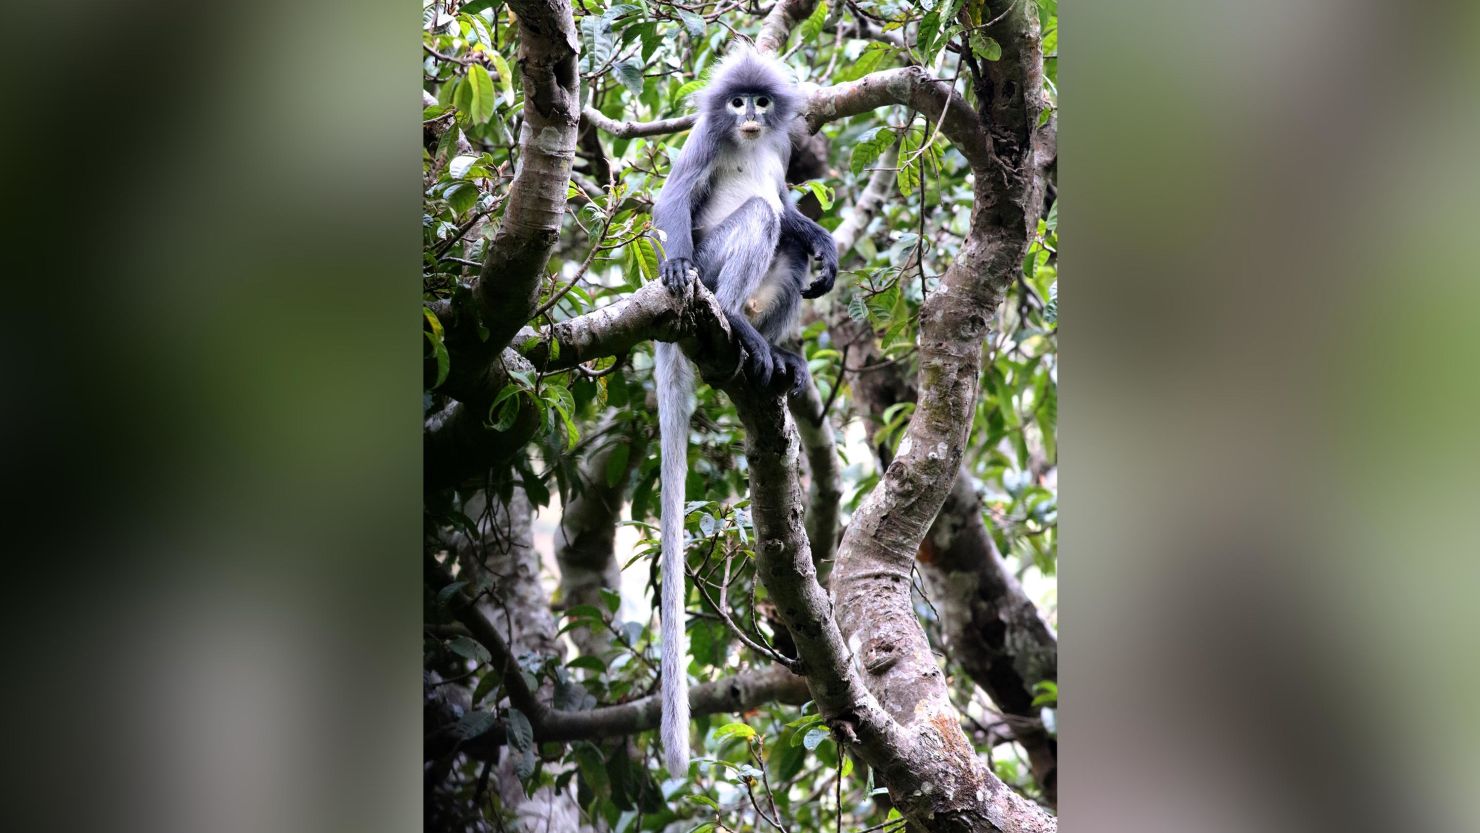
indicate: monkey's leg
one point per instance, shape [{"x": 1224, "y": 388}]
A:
[
  {"x": 733, "y": 260},
  {"x": 775, "y": 307}
]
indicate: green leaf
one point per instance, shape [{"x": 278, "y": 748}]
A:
[
  {"x": 475, "y": 6},
  {"x": 485, "y": 687},
  {"x": 465, "y": 646},
  {"x": 505, "y": 408},
  {"x": 869, "y": 146},
  {"x": 521, "y": 741},
  {"x": 505, "y": 78},
  {"x": 480, "y": 105},
  {"x": 462, "y": 196},
  {"x": 985, "y": 47},
  {"x": 872, "y": 58},
  {"x": 820, "y": 190},
  {"x": 814, "y": 737},
  {"x": 597, "y": 35},
  {"x": 647, "y": 258},
  {"x": 521, "y": 734},
  {"x": 812, "y": 27},
  {"x": 704, "y": 827},
  {"x": 1048, "y": 417},
  {"x": 686, "y": 90},
  {"x": 703, "y": 799},
  {"x": 475, "y": 723},
  {"x": 693, "y": 23},
  {"x": 1048, "y": 693},
  {"x": 611, "y": 598},
  {"x": 909, "y": 169},
  {"x": 929, "y": 30},
  {"x": 651, "y": 39},
  {"x": 589, "y": 663},
  {"x": 445, "y": 594},
  {"x": 592, "y": 768},
  {"x": 629, "y": 73},
  {"x": 439, "y": 349},
  {"x": 616, "y": 464},
  {"x": 733, "y": 730}
]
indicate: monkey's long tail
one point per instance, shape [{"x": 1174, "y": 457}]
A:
[{"x": 675, "y": 383}]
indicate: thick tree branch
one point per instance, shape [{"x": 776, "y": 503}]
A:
[
  {"x": 784, "y": 563},
  {"x": 871, "y": 579},
  {"x": 509, "y": 282},
  {"x": 778, "y": 24}
]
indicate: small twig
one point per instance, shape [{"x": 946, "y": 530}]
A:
[
  {"x": 451, "y": 59},
  {"x": 837, "y": 385}
]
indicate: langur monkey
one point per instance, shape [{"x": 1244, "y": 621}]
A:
[{"x": 724, "y": 213}]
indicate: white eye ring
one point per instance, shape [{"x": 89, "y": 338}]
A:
[
  {"x": 737, "y": 102},
  {"x": 763, "y": 102}
]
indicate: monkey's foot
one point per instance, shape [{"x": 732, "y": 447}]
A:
[
  {"x": 676, "y": 273},
  {"x": 791, "y": 373},
  {"x": 760, "y": 367}
]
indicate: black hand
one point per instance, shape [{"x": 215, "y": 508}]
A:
[
  {"x": 675, "y": 273},
  {"x": 824, "y": 284}
]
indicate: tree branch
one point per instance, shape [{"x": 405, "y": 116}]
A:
[
  {"x": 778, "y": 24},
  {"x": 630, "y": 129},
  {"x": 508, "y": 284},
  {"x": 825, "y": 492},
  {"x": 871, "y": 579}
]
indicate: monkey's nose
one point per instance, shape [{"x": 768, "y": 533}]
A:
[{"x": 751, "y": 128}]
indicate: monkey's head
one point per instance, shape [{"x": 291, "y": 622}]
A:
[{"x": 749, "y": 96}]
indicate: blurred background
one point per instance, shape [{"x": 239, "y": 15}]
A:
[{"x": 1269, "y": 346}]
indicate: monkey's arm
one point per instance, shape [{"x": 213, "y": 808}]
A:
[
  {"x": 799, "y": 230},
  {"x": 673, "y": 213}
]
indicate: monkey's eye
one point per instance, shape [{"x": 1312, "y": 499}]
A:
[
  {"x": 763, "y": 102},
  {"x": 737, "y": 102}
]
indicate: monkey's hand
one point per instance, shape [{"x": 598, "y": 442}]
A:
[
  {"x": 824, "y": 283},
  {"x": 675, "y": 273}
]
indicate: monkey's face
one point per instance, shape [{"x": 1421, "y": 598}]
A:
[{"x": 752, "y": 114}]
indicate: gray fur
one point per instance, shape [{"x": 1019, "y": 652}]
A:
[
  {"x": 675, "y": 380},
  {"x": 724, "y": 213}
]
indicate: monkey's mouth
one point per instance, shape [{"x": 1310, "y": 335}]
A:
[{"x": 750, "y": 129}]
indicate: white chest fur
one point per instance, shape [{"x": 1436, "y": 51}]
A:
[{"x": 753, "y": 169}]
